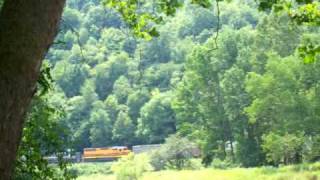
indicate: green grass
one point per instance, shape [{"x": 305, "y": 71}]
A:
[
  {"x": 296, "y": 172},
  {"x": 232, "y": 174},
  {"x": 87, "y": 169}
]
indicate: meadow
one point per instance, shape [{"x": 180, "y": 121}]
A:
[{"x": 101, "y": 171}]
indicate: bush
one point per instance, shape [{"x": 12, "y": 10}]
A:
[
  {"x": 303, "y": 167},
  {"x": 222, "y": 164},
  {"x": 311, "y": 149},
  {"x": 158, "y": 159},
  {"x": 195, "y": 164},
  {"x": 131, "y": 167},
  {"x": 284, "y": 149},
  {"x": 86, "y": 169},
  {"x": 176, "y": 153}
]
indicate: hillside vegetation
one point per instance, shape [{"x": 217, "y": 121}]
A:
[
  {"x": 251, "y": 100},
  {"x": 235, "y": 86}
]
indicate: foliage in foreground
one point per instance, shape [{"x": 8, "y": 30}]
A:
[{"x": 43, "y": 135}]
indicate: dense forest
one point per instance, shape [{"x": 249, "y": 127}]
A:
[
  {"x": 119, "y": 90},
  {"x": 231, "y": 80}
]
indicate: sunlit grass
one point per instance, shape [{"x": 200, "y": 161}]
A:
[
  {"x": 97, "y": 177},
  {"x": 297, "y": 172},
  {"x": 232, "y": 174},
  {"x": 91, "y": 169}
]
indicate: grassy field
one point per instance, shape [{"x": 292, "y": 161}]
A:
[
  {"x": 87, "y": 169},
  {"x": 297, "y": 172}
]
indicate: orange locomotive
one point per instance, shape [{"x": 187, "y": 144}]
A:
[{"x": 105, "y": 153}]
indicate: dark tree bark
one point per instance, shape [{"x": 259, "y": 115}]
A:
[{"x": 27, "y": 29}]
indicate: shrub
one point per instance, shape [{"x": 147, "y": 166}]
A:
[
  {"x": 315, "y": 167},
  {"x": 195, "y": 164},
  {"x": 131, "y": 167},
  {"x": 311, "y": 149},
  {"x": 283, "y": 149},
  {"x": 222, "y": 164},
  {"x": 158, "y": 159},
  {"x": 176, "y": 153},
  {"x": 86, "y": 169}
]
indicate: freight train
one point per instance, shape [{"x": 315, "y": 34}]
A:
[{"x": 103, "y": 153}]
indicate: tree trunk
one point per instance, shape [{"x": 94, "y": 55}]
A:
[{"x": 27, "y": 29}]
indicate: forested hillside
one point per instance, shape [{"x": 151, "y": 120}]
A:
[
  {"x": 243, "y": 93},
  {"x": 117, "y": 89}
]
